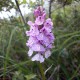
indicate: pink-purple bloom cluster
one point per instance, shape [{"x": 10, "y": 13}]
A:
[{"x": 40, "y": 36}]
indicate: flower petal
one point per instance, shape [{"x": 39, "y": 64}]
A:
[
  {"x": 41, "y": 58},
  {"x": 35, "y": 57},
  {"x": 48, "y": 23},
  {"x": 31, "y": 41},
  {"x": 47, "y": 53},
  {"x": 30, "y": 23},
  {"x": 30, "y": 52},
  {"x": 41, "y": 36},
  {"x": 37, "y": 47},
  {"x": 38, "y": 57},
  {"x": 39, "y": 20}
]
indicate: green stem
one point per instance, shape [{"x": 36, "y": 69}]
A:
[{"x": 42, "y": 72}]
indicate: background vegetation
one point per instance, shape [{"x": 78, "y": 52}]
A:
[{"x": 64, "y": 63}]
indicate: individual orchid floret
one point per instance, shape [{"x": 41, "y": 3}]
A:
[
  {"x": 38, "y": 57},
  {"x": 40, "y": 19},
  {"x": 39, "y": 11},
  {"x": 33, "y": 30},
  {"x": 41, "y": 38},
  {"x": 48, "y": 23}
]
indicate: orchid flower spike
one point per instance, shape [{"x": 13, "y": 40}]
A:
[{"x": 41, "y": 38}]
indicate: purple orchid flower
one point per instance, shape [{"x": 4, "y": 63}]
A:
[{"x": 41, "y": 38}]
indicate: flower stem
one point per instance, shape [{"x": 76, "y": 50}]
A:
[{"x": 42, "y": 72}]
